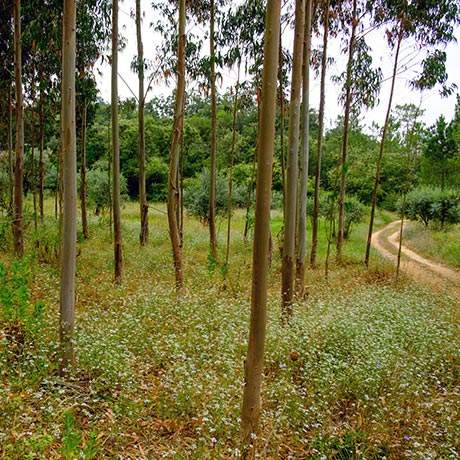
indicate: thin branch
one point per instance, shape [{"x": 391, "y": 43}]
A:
[{"x": 132, "y": 92}]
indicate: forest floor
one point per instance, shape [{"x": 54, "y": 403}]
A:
[
  {"x": 386, "y": 241},
  {"x": 376, "y": 373}
]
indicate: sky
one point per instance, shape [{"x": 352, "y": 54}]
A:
[{"x": 430, "y": 101}]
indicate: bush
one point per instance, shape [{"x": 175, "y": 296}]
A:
[
  {"x": 328, "y": 209},
  {"x": 432, "y": 205},
  {"x": 197, "y": 190},
  {"x": 20, "y": 319},
  {"x": 99, "y": 189}
]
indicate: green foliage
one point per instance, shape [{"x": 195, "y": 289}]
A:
[
  {"x": 99, "y": 188},
  {"x": 196, "y": 195},
  {"x": 47, "y": 242},
  {"x": 441, "y": 159},
  {"x": 20, "y": 318},
  {"x": 432, "y": 205}
]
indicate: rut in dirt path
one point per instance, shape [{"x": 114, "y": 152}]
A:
[{"x": 386, "y": 242}]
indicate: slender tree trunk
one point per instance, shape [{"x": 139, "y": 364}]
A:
[
  {"x": 250, "y": 413},
  {"x": 282, "y": 125},
  {"x": 33, "y": 182},
  {"x": 346, "y": 132},
  {"x": 41, "y": 172},
  {"x": 382, "y": 147},
  {"x": 109, "y": 169},
  {"x": 10, "y": 153},
  {"x": 83, "y": 187},
  {"x": 212, "y": 195},
  {"x": 287, "y": 270},
  {"x": 253, "y": 173},
  {"x": 175, "y": 151},
  {"x": 304, "y": 157},
  {"x": 69, "y": 221},
  {"x": 18, "y": 219},
  {"x": 144, "y": 209},
  {"x": 319, "y": 152},
  {"x": 118, "y": 250},
  {"x": 230, "y": 171}
]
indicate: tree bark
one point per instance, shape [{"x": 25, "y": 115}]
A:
[
  {"x": 83, "y": 186},
  {"x": 346, "y": 132},
  {"x": 175, "y": 152},
  {"x": 287, "y": 270},
  {"x": 382, "y": 147},
  {"x": 144, "y": 209},
  {"x": 230, "y": 170},
  {"x": 10, "y": 153},
  {"x": 118, "y": 250},
  {"x": 304, "y": 158},
  {"x": 213, "y": 175},
  {"x": 319, "y": 152},
  {"x": 69, "y": 221},
  {"x": 250, "y": 413},
  {"x": 41, "y": 172},
  {"x": 282, "y": 125},
  {"x": 18, "y": 217}
]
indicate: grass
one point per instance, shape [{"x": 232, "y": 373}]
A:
[
  {"x": 367, "y": 369},
  {"x": 440, "y": 245}
]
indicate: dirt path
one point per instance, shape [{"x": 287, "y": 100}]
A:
[{"x": 386, "y": 242}]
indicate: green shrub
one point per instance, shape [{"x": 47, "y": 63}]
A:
[
  {"x": 197, "y": 191},
  {"x": 99, "y": 189},
  {"x": 20, "y": 319},
  {"x": 428, "y": 205}
]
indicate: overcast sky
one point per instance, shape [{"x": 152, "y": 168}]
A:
[{"x": 433, "y": 104}]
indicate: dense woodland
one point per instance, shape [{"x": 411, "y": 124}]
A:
[{"x": 141, "y": 238}]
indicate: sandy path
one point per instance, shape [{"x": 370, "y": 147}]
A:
[{"x": 386, "y": 241}]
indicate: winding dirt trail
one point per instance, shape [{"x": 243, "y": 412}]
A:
[{"x": 386, "y": 242}]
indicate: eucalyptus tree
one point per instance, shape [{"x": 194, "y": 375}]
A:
[
  {"x": 289, "y": 246},
  {"x": 250, "y": 41},
  {"x": 304, "y": 156},
  {"x": 361, "y": 84},
  {"x": 144, "y": 209},
  {"x": 324, "y": 10},
  {"x": 174, "y": 154},
  {"x": 18, "y": 212},
  {"x": 69, "y": 158},
  {"x": 251, "y": 408},
  {"x": 118, "y": 250},
  {"x": 6, "y": 86},
  {"x": 429, "y": 25},
  {"x": 93, "y": 32}
]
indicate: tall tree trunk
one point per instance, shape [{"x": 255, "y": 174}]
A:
[
  {"x": 109, "y": 168},
  {"x": 304, "y": 158},
  {"x": 212, "y": 194},
  {"x": 175, "y": 152},
  {"x": 319, "y": 152},
  {"x": 10, "y": 153},
  {"x": 254, "y": 164},
  {"x": 230, "y": 171},
  {"x": 144, "y": 209},
  {"x": 18, "y": 219},
  {"x": 83, "y": 186},
  {"x": 287, "y": 270},
  {"x": 346, "y": 132},
  {"x": 41, "y": 172},
  {"x": 282, "y": 125},
  {"x": 382, "y": 147},
  {"x": 118, "y": 250},
  {"x": 250, "y": 412},
  {"x": 69, "y": 221},
  {"x": 33, "y": 182}
]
